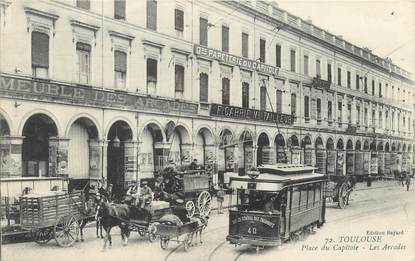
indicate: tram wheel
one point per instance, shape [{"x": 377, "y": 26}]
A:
[{"x": 152, "y": 229}]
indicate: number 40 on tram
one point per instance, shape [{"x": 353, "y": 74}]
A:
[{"x": 279, "y": 203}]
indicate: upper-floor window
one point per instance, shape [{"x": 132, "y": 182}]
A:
[
  {"x": 349, "y": 113},
  {"x": 380, "y": 90},
  {"x": 84, "y": 4},
  {"x": 357, "y": 82},
  {"x": 40, "y": 55},
  {"x": 358, "y": 114},
  {"x": 120, "y": 69},
  {"x": 293, "y": 104},
  {"x": 262, "y": 47},
  {"x": 203, "y": 31},
  {"x": 245, "y": 95},
  {"x": 292, "y": 60},
  {"x": 306, "y": 107},
  {"x": 349, "y": 79},
  {"x": 318, "y": 109},
  {"x": 263, "y": 98},
  {"x": 151, "y": 76},
  {"x": 245, "y": 45},
  {"x": 339, "y": 76},
  {"x": 152, "y": 14},
  {"x": 380, "y": 120},
  {"x": 329, "y": 110},
  {"x": 318, "y": 68},
  {"x": 373, "y": 118},
  {"x": 204, "y": 88},
  {"x": 179, "y": 20},
  {"x": 119, "y": 9},
  {"x": 365, "y": 117},
  {"x": 373, "y": 87},
  {"x": 178, "y": 80},
  {"x": 365, "y": 84},
  {"x": 278, "y": 55},
  {"x": 83, "y": 53},
  {"x": 279, "y": 101},
  {"x": 305, "y": 65},
  {"x": 226, "y": 91},
  {"x": 329, "y": 72},
  {"x": 339, "y": 112},
  {"x": 225, "y": 38}
]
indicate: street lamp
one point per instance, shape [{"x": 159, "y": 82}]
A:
[{"x": 116, "y": 141}]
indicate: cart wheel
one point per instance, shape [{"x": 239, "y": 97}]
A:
[
  {"x": 164, "y": 242},
  {"x": 203, "y": 203},
  {"x": 152, "y": 229},
  {"x": 66, "y": 230},
  {"x": 190, "y": 207},
  {"x": 42, "y": 236},
  {"x": 342, "y": 196}
]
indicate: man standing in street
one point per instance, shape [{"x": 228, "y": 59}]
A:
[
  {"x": 220, "y": 196},
  {"x": 408, "y": 182}
]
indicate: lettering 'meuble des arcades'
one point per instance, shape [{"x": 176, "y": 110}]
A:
[{"x": 44, "y": 90}]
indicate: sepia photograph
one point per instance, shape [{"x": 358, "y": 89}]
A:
[{"x": 207, "y": 130}]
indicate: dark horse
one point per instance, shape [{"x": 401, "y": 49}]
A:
[
  {"x": 91, "y": 207},
  {"x": 112, "y": 215}
]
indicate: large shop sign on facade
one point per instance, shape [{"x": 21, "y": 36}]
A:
[{"x": 58, "y": 92}]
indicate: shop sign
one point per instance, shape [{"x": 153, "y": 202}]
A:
[
  {"x": 234, "y": 60},
  {"x": 57, "y": 92},
  {"x": 250, "y": 114}
]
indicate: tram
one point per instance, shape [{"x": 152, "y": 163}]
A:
[{"x": 276, "y": 203}]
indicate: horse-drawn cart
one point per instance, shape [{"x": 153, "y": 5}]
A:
[
  {"x": 178, "y": 233},
  {"x": 338, "y": 189},
  {"x": 55, "y": 215}
]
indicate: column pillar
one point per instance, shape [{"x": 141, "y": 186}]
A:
[
  {"x": 130, "y": 161},
  {"x": 350, "y": 162},
  {"x": 11, "y": 156},
  {"x": 366, "y": 162},
  {"x": 104, "y": 163},
  {"x": 373, "y": 163},
  {"x": 381, "y": 162},
  {"x": 321, "y": 160},
  {"x": 96, "y": 148},
  {"x": 340, "y": 162},
  {"x": 58, "y": 157}
]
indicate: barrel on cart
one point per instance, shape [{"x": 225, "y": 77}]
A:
[{"x": 53, "y": 216}]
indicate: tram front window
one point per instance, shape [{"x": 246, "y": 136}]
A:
[{"x": 259, "y": 201}]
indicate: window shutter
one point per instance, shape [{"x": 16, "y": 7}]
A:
[
  {"x": 120, "y": 61},
  {"x": 179, "y": 78},
  {"x": 245, "y": 95},
  {"x": 152, "y": 14},
  {"x": 204, "y": 87},
  {"x": 119, "y": 9},
  {"x": 313, "y": 113},
  {"x": 278, "y": 55},
  {"x": 84, "y": 4},
  {"x": 293, "y": 104},
  {"x": 40, "y": 50},
  {"x": 151, "y": 70},
  {"x": 245, "y": 49},
  {"x": 179, "y": 19},
  {"x": 262, "y": 50},
  {"x": 306, "y": 107},
  {"x": 279, "y": 101},
  {"x": 292, "y": 56},
  {"x": 225, "y": 91},
  {"x": 225, "y": 39},
  {"x": 263, "y": 98},
  {"x": 203, "y": 31}
]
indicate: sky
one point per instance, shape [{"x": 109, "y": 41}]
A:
[{"x": 387, "y": 27}]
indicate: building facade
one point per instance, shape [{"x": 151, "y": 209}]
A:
[{"x": 90, "y": 89}]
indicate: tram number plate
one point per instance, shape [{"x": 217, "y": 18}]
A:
[{"x": 252, "y": 230}]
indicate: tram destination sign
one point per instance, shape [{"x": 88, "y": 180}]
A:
[
  {"x": 233, "y": 112},
  {"x": 73, "y": 94},
  {"x": 234, "y": 60}
]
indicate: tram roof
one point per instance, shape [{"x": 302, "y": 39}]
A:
[{"x": 284, "y": 169}]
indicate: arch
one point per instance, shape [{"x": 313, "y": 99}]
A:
[
  {"x": 330, "y": 144},
  {"x": 183, "y": 133},
  {"x": 319, "y": 143},
  {"x": 226, "y": 136},
  {"x": 263, "y": 139},
  {"x": 380, "y": 146},
  {"x": 366, "y": 145},
  {"x": 155, "y": 129},
  {"x": 88, "y": 121},
  {"x": 280, "y": 141},
  {"x": 6, "y": 129},
  {"x": 122, "y": 119},
  {"x": 39, "y": 111},
  {"x": 373, "y": 145},
  {"x": 306, "y": 141},
  {"x": 393, "y": 146},
  {"x": 358, "y": 145},
  {"x": 293, "y": 141},
  {"x": 263, "y": 149},
  {"x": 340, "y": 144},
  {"x": 207, "y": 134},
  {"x": 349, "y": 145},
  {"x": 246, "y": 135},
  {"x": 387, "y": 146}
]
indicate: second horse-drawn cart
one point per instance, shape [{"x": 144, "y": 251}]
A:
[{"x": 339, "y": 188}]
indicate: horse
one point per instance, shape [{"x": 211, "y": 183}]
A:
[
  {"x": 90, "y": 212},
  {"x": 112, "y": 215},
  {"x": 202, "y": 222}
]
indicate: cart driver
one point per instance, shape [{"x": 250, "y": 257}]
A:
[
  {"x": 133, "y": 194},
  {"x": 269, "y": 207},
  {"x": 145, "y": 194}
]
